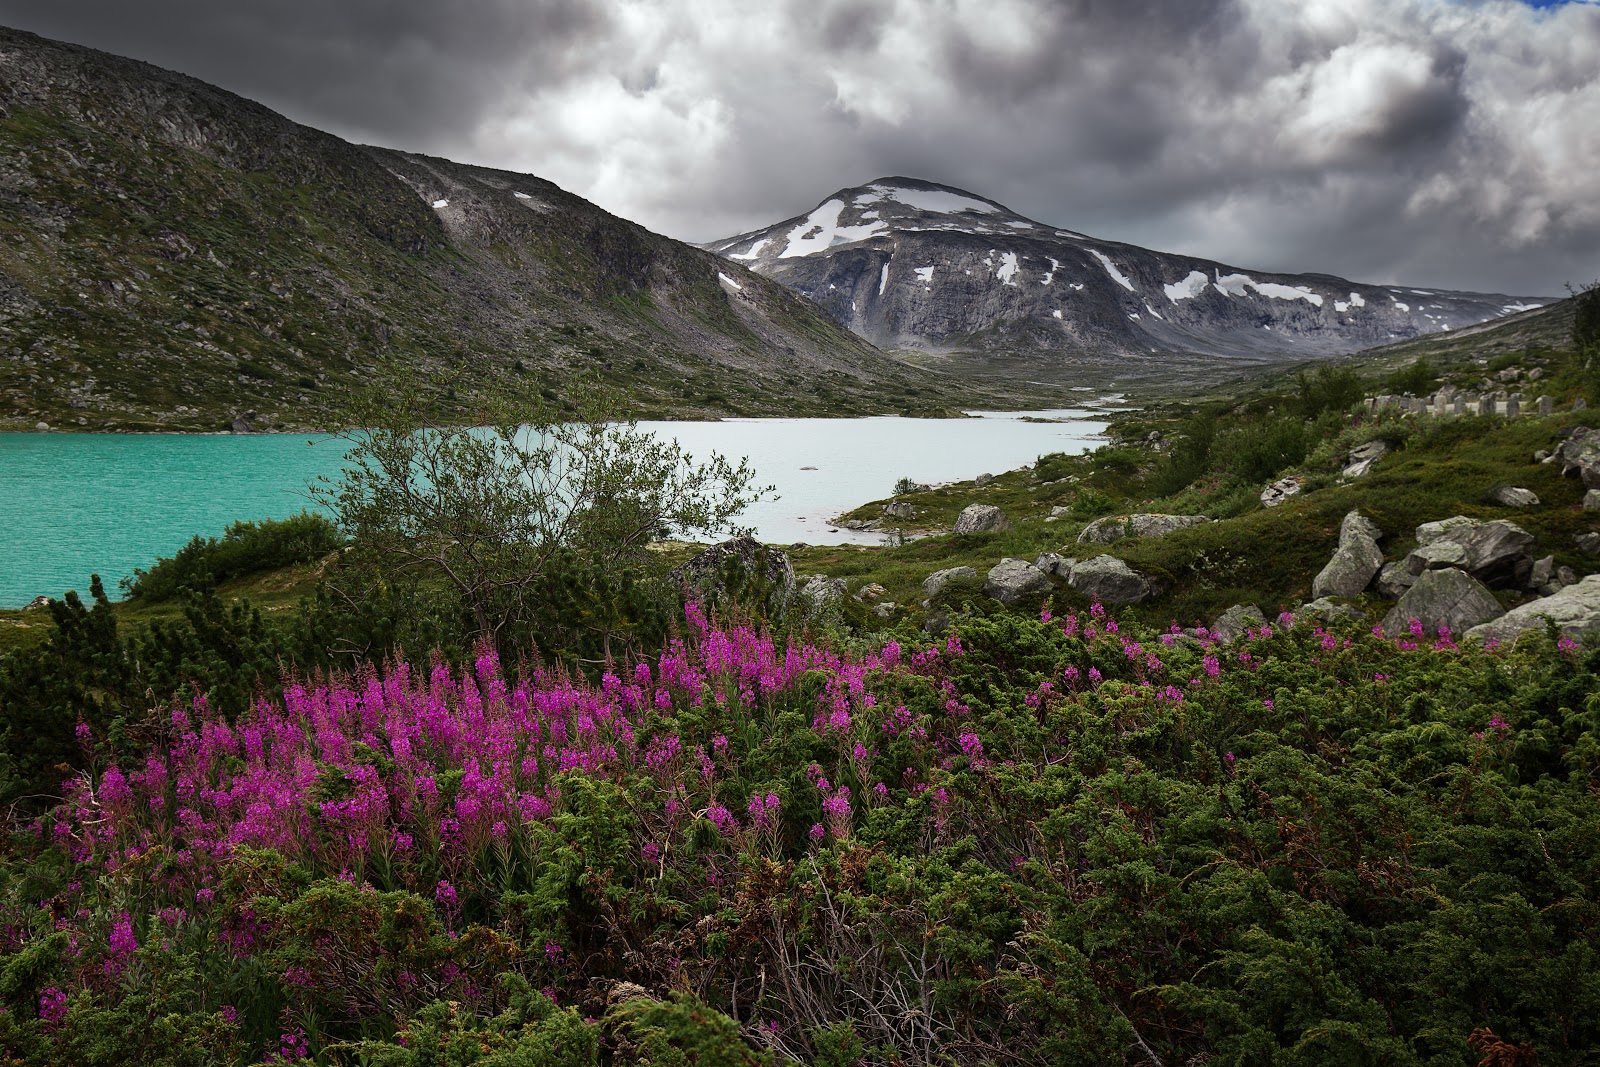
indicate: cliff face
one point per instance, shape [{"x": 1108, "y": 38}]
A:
[
  {"x": 172, "y": 255},
  {"x": 910, "y": 264}
]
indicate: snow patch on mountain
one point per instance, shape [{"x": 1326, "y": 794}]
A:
[
  {"x": 1111, "y": 269},
  {"x": 755, "y": 251},
  {"x": 1191, "y": 286},
  {"x": 1049, "y": 275},
  {"x": 725, "y": 280},
  {"x": 924, "y": 274},
  {"x": 938, "y": 201},
  {"x": 1008, "y": 269},
  {"x": 883, "y": 279},
  {"x": 821, "y": 230},
  {"x": 1237, "y": 284}
]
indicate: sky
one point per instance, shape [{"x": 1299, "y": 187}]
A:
[{"x": 1448, "y": 143}]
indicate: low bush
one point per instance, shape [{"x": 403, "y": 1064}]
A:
[{"x": 245, "y": 548}]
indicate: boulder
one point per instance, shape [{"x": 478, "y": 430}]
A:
[
  {"x": 1053, "y": 563},
  {"x": 935, "y": 582},
  {"x": 821, "y": 592},
  {"x": 871, "y": 591},
  {"x": 1354, "y": 562},
  {"x": 1429, "y": 532},
  {"x": 981, "y": 518},
  {"x": 1579, "y": 456},
  {"x": 1575, "y": 610},
  {"x": 1362, "y": 457},
  {"x": 1058, "y": 513},
  {"x": 982, "y": 480},
  {"x": 1393, "y": 580},
  {"x": 1591, "y": 500},
  {"x": 1515, "y": 497},
  {"x": 1587, "y": 542},
  {"x": 1279, "y": 491},
  {"x": 1231, "y": 624},
  {"x": 1111, "y": 581},
  {"x": 898, "y": 509},
  {"x": 1443, "y": 599},
  {"x": 706, "y": 571},
  {"x": 1436, "y": 556},
  {"x": 1497, "y": 553},
  {"x": 1116, "y": 527},
  {"x": 1326, "y": 610},
  {"x": 1012, "y": 581}
]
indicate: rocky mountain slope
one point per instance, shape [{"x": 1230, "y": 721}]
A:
[
  {"x": 172, "y": 255},
  {"x": 910, "y": 264}
]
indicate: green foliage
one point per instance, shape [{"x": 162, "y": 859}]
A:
[
  {"x": 1417, "y": 378},
  {"x": 1259, "y": 450},
  {"x": 1330, "y": 389},
  {"x": 1586, "y": 338},
  {"x": 246, "y": 548},
  {"x": 497, "y": 513}
]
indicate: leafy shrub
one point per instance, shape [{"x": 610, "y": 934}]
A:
[
  {"x": 1417, "y": 379},
  {"x": 245, "y": 548},
  {"x": 1330, "y": 389}
]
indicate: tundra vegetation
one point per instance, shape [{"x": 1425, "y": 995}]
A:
[{"x": 650, "y": 824}]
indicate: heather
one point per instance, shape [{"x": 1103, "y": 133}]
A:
[{"x": 1068, "y": 839}]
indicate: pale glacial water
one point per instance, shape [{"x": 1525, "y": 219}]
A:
[{"x": 76, "y": 504}]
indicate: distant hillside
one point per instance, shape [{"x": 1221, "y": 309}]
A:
[
  {"x": 172, "y": 255},
  {"x": 911, "y": 264}
]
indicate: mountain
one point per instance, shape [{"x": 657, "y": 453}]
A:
[
  {"x": 174, "y": 256},
  {"x": 909, "y": 264}
]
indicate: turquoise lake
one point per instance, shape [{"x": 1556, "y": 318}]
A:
[{"x": 76, "y": 504}]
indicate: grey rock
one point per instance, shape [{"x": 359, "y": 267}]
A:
[
  {"x": 1279, "y": 491},
  {"x": 821, "y": 592},
  {"x": 1543, "y": 573},
  {"x": 1327, "y": 610},
  {"x": 1579, "y": 456},
  {"x": 871, "y": 591},
  {"x": 1116, "y": 527},
  {"x": 898, "y": 509},
  {"x": 704, "y": 572},
  {"x": 1355, "y": 562},
  {"x": 1443, "y": 599},
  {"x": 935, "y": 582},
  {"x": 1588, "y": 542},
  {"x": 1111, "y": 581},
  {"x": 1497, "y": 553},
  {"x": 1429, "y": 532},
  {"x": 1542, "y": 456},
  {"x": 1515, "y": 497},
  {"x": 1575, "y": 610},
  {"x": 1363, "y": 456},
  {"x": 936, "y": 623},
  {"x": 1567, "y": 576},
  {"x": 1393, "y": 580},
  {"x": 1591, "y": 500},
  {"x": 1357, "y": 524},
  {"x": 983, "y": 480},
  {"x": 1011, "y": 581},
  {"x": 1059, "y": 513},
  {"x": 1054, "y": 563},
  {"x": 1435, "y": 556},
  {"x": 1231, "y": 624},
  {"x": 982, "y": 518}
]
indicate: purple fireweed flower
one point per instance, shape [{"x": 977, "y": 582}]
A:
[
  {"x": 970, "y": 744},
  {"x": 445, "y": 894},
  {"x": 122, "y": 941},
  {"x": 52, "y": 1006},
  {"x": 817, "y": 832},
  {"x": 1212, "y": 666},
  {"x": 650, "y": 852}
]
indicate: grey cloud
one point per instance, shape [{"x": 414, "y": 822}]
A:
[{"x": 1423, "y": 141}]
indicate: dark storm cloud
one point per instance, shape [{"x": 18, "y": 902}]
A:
[
  {"x": 402, "y": 71},
  {"x": 1436, "y": 142}
]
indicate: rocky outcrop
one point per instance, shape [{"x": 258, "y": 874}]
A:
[
  {"x": 1362, "y": 457},
  {"x": 1111, "y": 581},
  {"x": 1279, "y": 491},
  {"x": 821, "y": 592},
  {"x": 1575, "y": 610},
  {"x": 1496, "y": 553},
  {"x": 898, "y": 509},
  {"x": 1512, "y": 496},
  {"x": 1012, "y": 581},
  {"x": 1443, "y": 599},
  {"x": 1354, "y": 562},
  {"x": 1579, "y": 456},
  {"x": 934, "y": 583},
  {"x": 981, "y": 518},
  {"x": 1116, "y": 527},
  {"x": 1054, "y": 563},
  {"x": 1325, "y": 611},
  {"x": 708, "y": 572},
  {"x": 1231, "y": 624}
]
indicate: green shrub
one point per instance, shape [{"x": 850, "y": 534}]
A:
[{"x": 245, "y": 548}]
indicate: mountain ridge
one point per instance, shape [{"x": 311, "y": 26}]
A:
[
  {"x": 174, "y": 256},
  {"x": 912, "y": 264}
]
